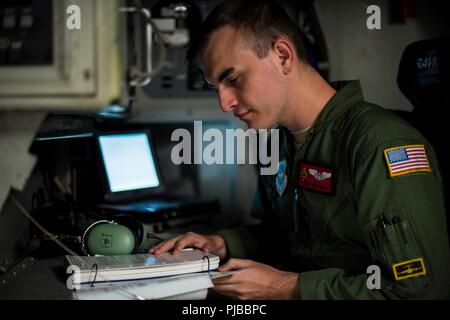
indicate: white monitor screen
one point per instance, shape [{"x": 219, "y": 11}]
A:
[{"x": 128, "y": 161}]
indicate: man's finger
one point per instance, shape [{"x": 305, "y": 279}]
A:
[
  {"x": 236, "y": 264},
  {"x": 165, "y": 246},
  {"x": 188, "y": 240},
  {"x": 206, "y": 248}
]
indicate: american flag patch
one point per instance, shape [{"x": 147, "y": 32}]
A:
[{"x": 407, "y": 159}]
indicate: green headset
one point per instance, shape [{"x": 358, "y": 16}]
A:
[{"x": 124, "y": 234}]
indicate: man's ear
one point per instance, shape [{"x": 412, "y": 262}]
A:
[{"x": 285, "y": 53}]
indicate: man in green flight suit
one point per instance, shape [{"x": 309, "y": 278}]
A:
[{"x": 357, "y": 191}]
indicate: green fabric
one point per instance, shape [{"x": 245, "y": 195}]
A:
[
  {"x": 241, "y": 241},
  {"x": 339, "y": 234},
  {"x": 234, "y": 243}
]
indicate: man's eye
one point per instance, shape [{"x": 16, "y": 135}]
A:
[{"x": 233, "y": 80}]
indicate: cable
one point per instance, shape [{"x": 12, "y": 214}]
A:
[{"x": 38, "y": 225}]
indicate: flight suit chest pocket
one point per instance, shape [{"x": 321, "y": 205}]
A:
[
  {"x": 395, "y": 248},
  {"x": 319, "y": 210}
]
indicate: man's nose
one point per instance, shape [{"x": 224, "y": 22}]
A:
[{"x": 227, "y": 99}]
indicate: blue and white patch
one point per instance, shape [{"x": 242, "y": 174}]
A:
[{"x": 281, "y": 178}]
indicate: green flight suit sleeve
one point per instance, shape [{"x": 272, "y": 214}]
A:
[
  {"x": 412, "y": 209},
  {"x": 265, "y": 241},
  {"x": 241, "y": 241}
]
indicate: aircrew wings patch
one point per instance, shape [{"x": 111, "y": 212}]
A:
[
  {"x": 317, "y": 178},
  {"x": 407, "y": 159}
]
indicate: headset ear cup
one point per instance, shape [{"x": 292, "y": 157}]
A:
[
  {"x": 135, "y": 226},
  {"x": 108, "y": 238},
  {"x": 86, "y": 234}
]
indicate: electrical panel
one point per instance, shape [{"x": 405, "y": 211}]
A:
[{"x": 62, "y": 55}]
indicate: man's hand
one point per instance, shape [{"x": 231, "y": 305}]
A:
[
  {"x": 214, "y": 244},
  {"x": 256, "y": 281}
]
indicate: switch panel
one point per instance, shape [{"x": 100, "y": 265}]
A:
[{"x": 26, "y": 32}]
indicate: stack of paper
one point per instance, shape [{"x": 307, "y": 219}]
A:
[
  {"x": 185, "y": 287},
  {"x": 106, "y": 269}
]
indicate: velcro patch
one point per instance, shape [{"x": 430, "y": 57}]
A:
[
  {"x": 407, "y": 159},
  {"x": 409, "y": 269},
  {"x": 316, "y": 178}
]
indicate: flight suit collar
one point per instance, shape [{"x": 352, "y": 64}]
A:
[{"x": 348, "y": 93}]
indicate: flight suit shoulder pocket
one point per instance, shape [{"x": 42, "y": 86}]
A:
[{"x": 395, "y": 248}]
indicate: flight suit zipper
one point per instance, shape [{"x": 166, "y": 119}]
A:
[{"x": 300, "y": 241}]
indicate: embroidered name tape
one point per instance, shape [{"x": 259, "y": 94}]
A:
[
  {"x": 316, "y": 178},
  {"x": 409, "y": 269},
  {"x": 407, "y": 159}
]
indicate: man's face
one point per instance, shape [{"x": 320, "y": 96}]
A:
[{"x": 250, "y": 87}]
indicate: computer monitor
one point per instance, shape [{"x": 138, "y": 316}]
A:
[{"x": 129, "y": 166}]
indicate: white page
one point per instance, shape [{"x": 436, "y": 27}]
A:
[
  {"x": 194, "y": 295},
  {"x": 137, "y": 260},
  {"x": 217, "y": 274},
  {"x": 169, "y": 287}
]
